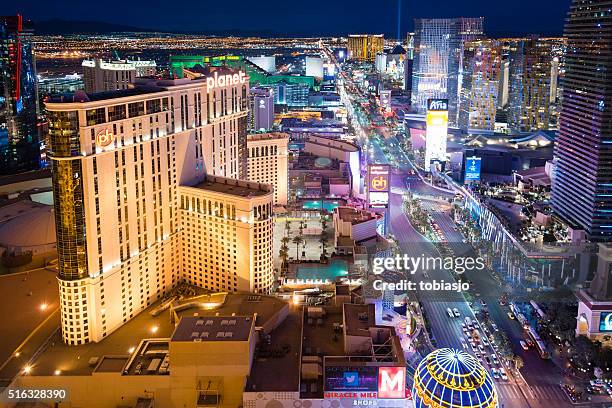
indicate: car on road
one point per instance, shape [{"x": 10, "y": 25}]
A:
[
  {"x": 456, "y": 312},
  {"x": 488, "y": 360},
  {"x": 503, "y": 375},
  {"x": 511, "y": 316},
  {"x": 494, "y": 326},
  {"x": 495, "y": 373},
  {"x": 495, "y": 360},
  {"x": 481, "y": 348},
  {"x": 524, "y": 345},
  {"x": 449, "y": 312},
  {"x": 484, "y": 341}
]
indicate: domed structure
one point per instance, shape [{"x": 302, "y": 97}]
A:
[
  {"x": 31, "y": 230},
  {"x": 449, "y": 378}
]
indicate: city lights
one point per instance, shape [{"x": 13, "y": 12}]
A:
[{"x": 235, "y": 215}]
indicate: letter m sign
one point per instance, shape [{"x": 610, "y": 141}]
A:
[{"x": 391, "y": 382}]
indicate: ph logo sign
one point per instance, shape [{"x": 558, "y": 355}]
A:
[
  {"x": 391, "y": 382},
  {"x": 104, "y": 138},
  {"x": 379, "y": 183}
]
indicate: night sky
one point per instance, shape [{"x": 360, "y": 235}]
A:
[{"x": 286, "y": 17}]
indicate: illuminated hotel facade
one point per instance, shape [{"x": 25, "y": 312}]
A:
[
  {"x": 439, "y": 46},
  {"x": 101, "y": 76},
  {"x": 582, "y": 186},
  {"x": 482, "y": 64},
  {"x": 121, "y": 163},
  {"x": 268, "y": 155},
  {"x": 364, "y": 47}
]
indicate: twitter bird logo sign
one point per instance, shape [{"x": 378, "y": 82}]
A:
[{"x": 350, "y": 379}]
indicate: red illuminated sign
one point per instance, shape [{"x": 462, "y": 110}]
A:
[
  {"x": 391, "y": 382},
  {"x": 104, "y": 138}
]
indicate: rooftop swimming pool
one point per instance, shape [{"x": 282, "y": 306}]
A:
[
  {"x": 320, "y": 205},
  {"x": 335, "y": 268}
]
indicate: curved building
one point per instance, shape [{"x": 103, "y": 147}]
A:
[{"x": 452, "y": 378}]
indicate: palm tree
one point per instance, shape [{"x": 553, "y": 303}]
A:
[
  {"x": 297, "y": 240},
  {"x": 284, "y": 254},
  {"x": 287, "y": 227}
]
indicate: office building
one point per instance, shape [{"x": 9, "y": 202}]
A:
[
  {"x": 438, "y": 60},
  {"x": 265, "y": 62},
  {"x": 290, "y": 93},
  {"x": 267, "y": 162},
  {"x": 532, "y": 76},
  {"x": 364, "y": 47},
  {"x": 101, "y": 76},
  {"x": 261, "y": 109},
  {"x": 67, "y": 84},
  {"x": 482, "y": 63},
  {"x": 19, "y": 138},
  {"x": 226, "y": 235},
  {"x": 314, "y": 67},
  {"x": 119, "y": 160},
  {"x": 582, "y": 185}
]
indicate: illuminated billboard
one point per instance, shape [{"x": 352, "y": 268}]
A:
[
  {"x": 437, "y": 130},
  {"x": 385, "y": 99},
  {"x": 472, "y": 169},
  {"x": 605, "y": 322},
  {"x": 359, "y": 378},
  {"x": 365, "y": 382},
  {"x": 378, "y": 185}
]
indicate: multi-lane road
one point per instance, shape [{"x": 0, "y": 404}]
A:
[{"x": 539, "y": 387}]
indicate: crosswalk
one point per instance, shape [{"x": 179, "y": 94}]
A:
[{"x": 536, "y": 392}]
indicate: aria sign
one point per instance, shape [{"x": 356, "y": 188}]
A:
[
  {"x": 104, "y": 138},
  {"x": 217, "y": 80}
]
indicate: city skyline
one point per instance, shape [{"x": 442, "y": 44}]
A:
[
  {"x": 546, "y": 17},
  {"x": 384, "y": 218}
]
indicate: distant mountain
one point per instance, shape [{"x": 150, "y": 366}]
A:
[{"x": 58, "y": 26}]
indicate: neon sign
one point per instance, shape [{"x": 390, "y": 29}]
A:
[{"x": 217, "y": 80}]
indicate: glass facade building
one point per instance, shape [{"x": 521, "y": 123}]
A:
[
  {"x": 480, "y": 85},
  {"x": 438, "y": 60},
  {"x": 19, "y": 139},
  {"x": 582, "y": 186},
  {"x": 533, "y": 81}
]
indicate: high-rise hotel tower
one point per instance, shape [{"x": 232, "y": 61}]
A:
[
  {"x": 582, "y": 186},
  {"x": 146, "y": 197}
]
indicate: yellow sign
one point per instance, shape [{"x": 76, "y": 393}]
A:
[{"x": 379, "y": 183}]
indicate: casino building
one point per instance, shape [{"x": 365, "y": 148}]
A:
[{"x": 143, "y": 198}]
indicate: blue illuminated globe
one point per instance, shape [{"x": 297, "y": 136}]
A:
[{"x": 449, "y": 378}]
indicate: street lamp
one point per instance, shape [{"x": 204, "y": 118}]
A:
[{"x": 43, "y": 306}]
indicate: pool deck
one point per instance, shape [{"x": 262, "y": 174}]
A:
[{"x": 329, "y": 270}]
